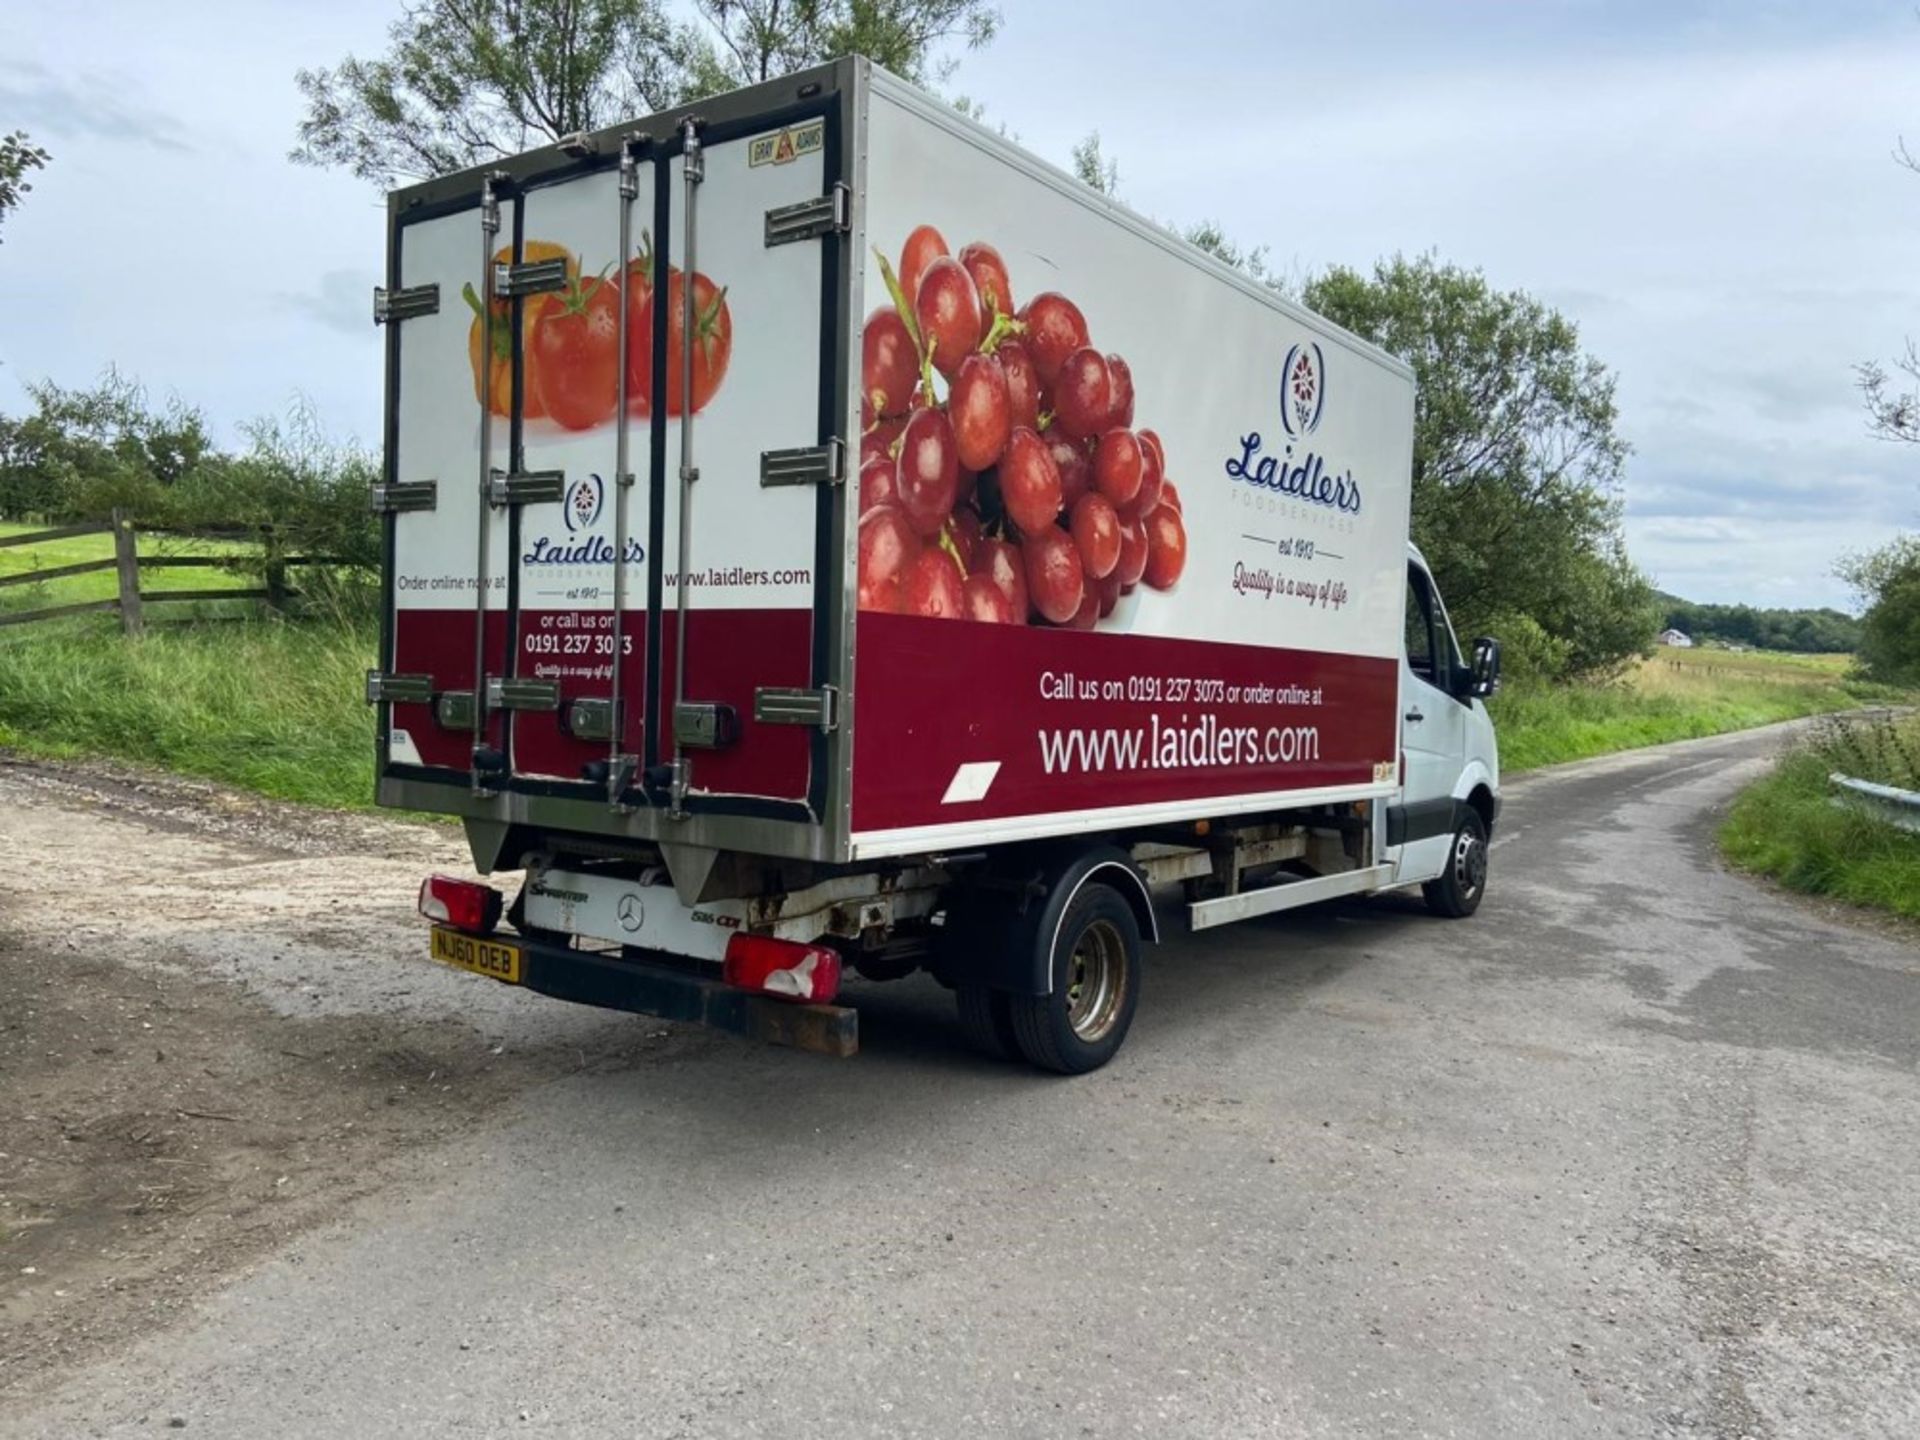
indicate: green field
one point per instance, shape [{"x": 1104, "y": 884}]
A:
[
  {"x": 1678, "y": 695},
  {"x": 1787, "y": 826}
]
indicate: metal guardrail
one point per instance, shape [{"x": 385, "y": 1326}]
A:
[{"x": 1897, "y": 807}]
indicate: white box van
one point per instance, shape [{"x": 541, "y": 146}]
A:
[{"x": 821, "y": 535}]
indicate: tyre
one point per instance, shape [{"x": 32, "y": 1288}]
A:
[
  {"x": 1456, "y": 891},
  {"x": 1095, "y": 970},
  {"x": 987, "y": 1022}
]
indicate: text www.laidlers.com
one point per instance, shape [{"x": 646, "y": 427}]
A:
[{"x": 1204, "y": 743}]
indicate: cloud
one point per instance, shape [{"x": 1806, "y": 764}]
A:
[
  {"x": 91, "y": 105},
  {"x": 1794, "y": 391},
  {"x": 1579, "y": 303},
  {"x": 1697, "y": 470},
  {"x": 343, "y": 301}
]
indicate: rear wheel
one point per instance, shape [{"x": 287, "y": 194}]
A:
[
  {"x": 987, "y": 1021},
  {"x": 1095, "y": 972},
  {"x": 1456, "y": 891}
]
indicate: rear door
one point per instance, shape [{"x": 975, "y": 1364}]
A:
[
  {"x": 504, "y": 572},
  {"x": 580, "y": 530},
  {"x": 747, "y": 477},
  {"x": 447, "y": 407}
]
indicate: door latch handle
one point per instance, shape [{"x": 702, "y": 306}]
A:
[{"x": 1415, "y": 715}]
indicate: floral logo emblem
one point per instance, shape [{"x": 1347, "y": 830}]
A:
[
  {"x": 584, "y": 499},
  {"x": 1303, "y": 390}
]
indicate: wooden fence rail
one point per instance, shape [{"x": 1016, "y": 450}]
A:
[{"x": 127, "y": 562}]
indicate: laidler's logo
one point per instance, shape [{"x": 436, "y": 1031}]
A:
[
  {"x": 1303, "y": 390},
  {"x": 581, "y": 509},
  {"x": 1297, "y": 472},
  {"x": 584, "y": 499}
]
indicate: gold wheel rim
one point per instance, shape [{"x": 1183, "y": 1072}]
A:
[{"x": 1096, "y": 982}]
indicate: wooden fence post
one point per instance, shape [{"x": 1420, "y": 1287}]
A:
[
  {"x": 126, "y": 554},
  {"x": 276, "y": 568}
]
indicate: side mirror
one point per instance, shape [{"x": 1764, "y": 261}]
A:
[{"x": 1486, "y": 666}]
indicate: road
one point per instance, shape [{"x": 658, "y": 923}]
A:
[{"x": 1632, "y": 1153}]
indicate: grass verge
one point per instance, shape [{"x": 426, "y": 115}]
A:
[
  {"x": 275, "y": 706},
  {"x": 1680, "y": 695},
  {"x": 270, "y": 705},
  {"x": 1787, "y": 826}
]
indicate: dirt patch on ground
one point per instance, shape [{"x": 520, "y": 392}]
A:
[{"x": 217, "y": 1028}]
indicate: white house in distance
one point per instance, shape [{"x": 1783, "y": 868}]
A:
[{"x": 1678, "y": 639}]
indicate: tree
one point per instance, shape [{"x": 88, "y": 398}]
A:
[
  {"x": 468, "y": 81},
  {"x": 1095, "y": 168},
  {"x": 1517, "y": 463},
  {"x": 18, "y": 155},
  {"x": 1888, "y": 582},
  {"x": 1806, "y": 632},
  {"x": 83, "y": 452},
  {"x": 759, "y": 39},
  {"x": 1208, "y": 236},
  {"x": 1893, "y": 404},
  {"x": 1100, "y": 171}
]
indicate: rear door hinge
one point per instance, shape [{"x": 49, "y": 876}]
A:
[
  {"x": 406, "y": 303},
  {"x": 530, "y": 487},
  {"x": 775, "y": 706},
  {"x": 511, "y": 693},
  {"x": 399, "y": 689},
  {"x": 828, "y": 214},
  {"x": 530, "y": 277},
  {"x": 403, "y": 495},
  {"x": 809, "y": 465}
]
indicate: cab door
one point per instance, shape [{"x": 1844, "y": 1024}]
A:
[{"x": 1433, "y": 731}]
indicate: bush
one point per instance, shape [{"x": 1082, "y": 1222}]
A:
[
  {"x": 83, "y": 454},
  {"x": 1788, "y": 827},
  {"x": 1528, "y": 654},
  {"x": 309, "y": 491}
]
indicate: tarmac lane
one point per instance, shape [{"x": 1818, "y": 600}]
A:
[{"x": 1630, "y": 1153}]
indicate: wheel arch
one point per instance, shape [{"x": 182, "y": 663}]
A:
[
  {"x": 1477, "y": 789},
  {"x": 1481, "y": 800},
  {"x": 1002, "y": 929}
]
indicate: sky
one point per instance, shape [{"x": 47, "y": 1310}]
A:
[{"x": 1707, "y": 189}]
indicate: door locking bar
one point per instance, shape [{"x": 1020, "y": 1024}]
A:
[
  {"x": 693, "y": 168},
  {"x": 583, "y": 717},
  {"x": 483, "y": 757}
]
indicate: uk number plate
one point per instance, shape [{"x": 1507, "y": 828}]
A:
[{"x": 484, "y": 957}]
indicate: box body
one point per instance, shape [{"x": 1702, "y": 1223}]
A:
[{"x": 1261, "y": 672}]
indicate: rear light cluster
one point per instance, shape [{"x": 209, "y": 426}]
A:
[
  {"x": 464, "y": 904},
  {"x": 783, "y": 968}
]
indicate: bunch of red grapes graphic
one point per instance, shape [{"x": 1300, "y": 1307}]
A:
[{"x": 1001, "y": 476}]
